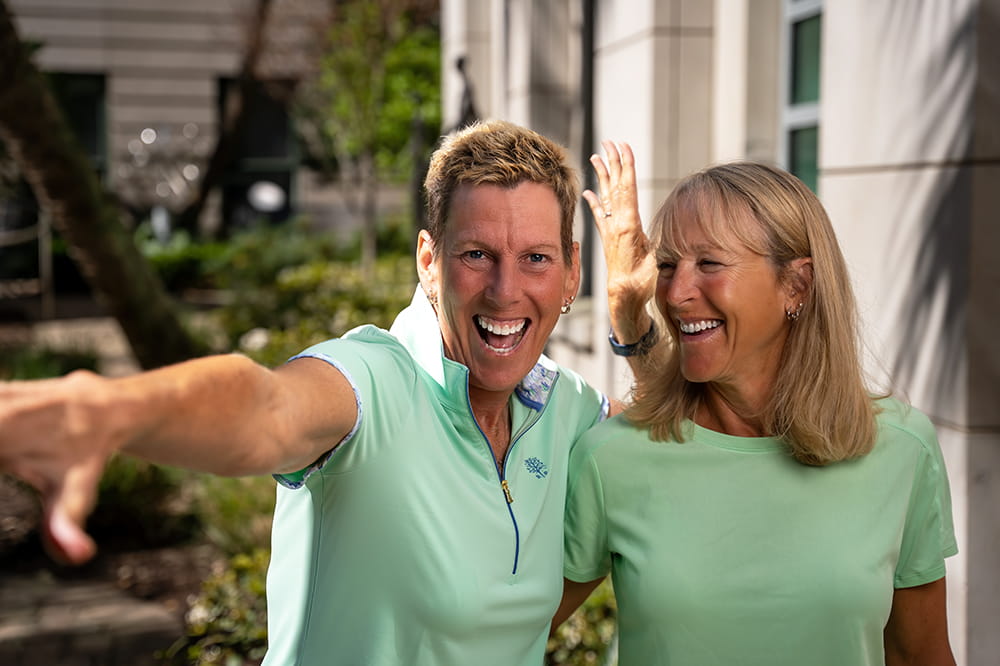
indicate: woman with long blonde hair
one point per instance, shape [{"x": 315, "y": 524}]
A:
[{"x": 757, "y": 503}]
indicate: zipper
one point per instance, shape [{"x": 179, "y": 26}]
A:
[{"x": 502, "y": 469}]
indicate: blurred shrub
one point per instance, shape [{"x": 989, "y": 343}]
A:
[
  {"x": 138, "y": 506},
  {"x": 586, "y": 637},
  {"x": 313, "y": 302},
  {"x": 181, "y": 263},
  {"x": 35, "y": 363},
  {"x": 235, "y": 512},
  {"x": 227, "y": 622}
]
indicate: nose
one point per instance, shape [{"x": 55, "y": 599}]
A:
[
  {"x": 681, "y": 286},
  {"x": 505, "y": 283}
]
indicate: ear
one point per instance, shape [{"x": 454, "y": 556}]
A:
[
  {"x": 799, "y": 281},
  {"x": 572, "y": 282},
  {"x": 427, "y": 268}
]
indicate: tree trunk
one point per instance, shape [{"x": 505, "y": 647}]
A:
[
  {"x": 63, "y": 180},
  {"x": 369, "y": 213},
  {"x": 233, "y": 125}
]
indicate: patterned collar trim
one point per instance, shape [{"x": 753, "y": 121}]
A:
[{"x": 535, "y": 388}]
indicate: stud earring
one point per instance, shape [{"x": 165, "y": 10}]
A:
[
  {"x": 566, "y": 306},
  {"x": 792, "y": 315}
]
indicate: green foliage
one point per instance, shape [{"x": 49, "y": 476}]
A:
[
  {"x": 181, "y": 263},
  {"x": 37, "y": 363},
  {"x": 227, "y": 622},
  {"x": 585, "y": 637},
  {"x": 235, "y": 513},
  {"x": 380, "y": 74},
  {"x": 137, "y": 508},
  {"x": 312, "y": 302}
]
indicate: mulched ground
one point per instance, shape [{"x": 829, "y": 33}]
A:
[{"x": 164, "y": 572}]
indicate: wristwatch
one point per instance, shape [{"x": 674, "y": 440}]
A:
[{"x": 642, "y": 346}]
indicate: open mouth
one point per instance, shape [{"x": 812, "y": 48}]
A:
[
  {"x": 501, "y": 337},
  {"x": 698, "y": 328}
]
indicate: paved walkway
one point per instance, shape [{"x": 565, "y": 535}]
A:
[{"x": 74, "y": 623}]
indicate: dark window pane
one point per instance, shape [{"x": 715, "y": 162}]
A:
[
  {"x": 267, "y": 131},
  {"x": 265, "y": 153},
  {"x": 805, "y": 60},
  {"x": 803, "y": 154},
  {"x": 81, "y": 98}
]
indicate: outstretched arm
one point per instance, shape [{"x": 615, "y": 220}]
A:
[
  {"x": 221, "y": 414},
  {"x": 628, "y": 252}
]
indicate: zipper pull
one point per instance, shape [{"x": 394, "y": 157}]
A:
[{"x": 506, "y": 491}]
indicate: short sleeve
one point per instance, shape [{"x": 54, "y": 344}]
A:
[
  {"x": 587, "y": 554},
  {"x": 929, "y": 534},
  {"x": 377, "y": 368}
]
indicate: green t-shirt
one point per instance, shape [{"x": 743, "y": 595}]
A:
[
  {"x": 725, "y": 551},
  {"x": 399, "y": 547}
]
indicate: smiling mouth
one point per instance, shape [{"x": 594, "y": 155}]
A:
[
  {"x": 698, "y": 327},
  {"x": 501, "y": 337}
]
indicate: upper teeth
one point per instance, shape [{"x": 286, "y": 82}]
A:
[
  {"x": 501, "y": 329},
  {"x": 697, "y": 326}
]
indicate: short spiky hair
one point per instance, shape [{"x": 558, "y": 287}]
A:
[{"x": 497, "y": 152}]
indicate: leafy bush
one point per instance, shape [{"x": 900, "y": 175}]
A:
[
  {"x": 181, "y": 263},
  {"x": 313, "y": 302},
  {"x": 227, "y": 623},
  {"x": 235, "y": 513},
  {"x": 585, "y": 638},
  {"x": 137, "y": 506},
  {"x": 36, "y": 363}
]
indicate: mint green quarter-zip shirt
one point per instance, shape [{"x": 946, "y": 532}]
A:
[{"x": 407, "y": 543}]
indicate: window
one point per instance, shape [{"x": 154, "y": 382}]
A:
[
  {"x": 800, "y": 126},
  {"x": 260, "y": 183}
]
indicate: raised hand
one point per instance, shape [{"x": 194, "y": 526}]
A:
[{"x": 627, "y": 250}]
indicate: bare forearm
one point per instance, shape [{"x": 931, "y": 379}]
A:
[{"x": 220, "y": 414}]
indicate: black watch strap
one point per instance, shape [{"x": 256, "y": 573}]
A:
[{"x": 642, "y": 346}]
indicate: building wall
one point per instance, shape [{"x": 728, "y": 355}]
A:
[
  {"x": 910, "y": 169},
  {"x": 909, "y": 123},
  {"x": 162, "y": 63}
]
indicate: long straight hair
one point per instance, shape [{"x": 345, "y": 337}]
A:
[{"x": 820, "y": 406}]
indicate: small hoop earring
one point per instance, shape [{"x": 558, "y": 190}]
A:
[{"x": 792, "y": 315}]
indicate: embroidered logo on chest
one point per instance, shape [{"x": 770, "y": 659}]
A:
[{"x": 536, "y": 467}]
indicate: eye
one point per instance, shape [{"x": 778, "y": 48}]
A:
[
  {"x": 537, "y": 257},
  {"x": 709, "y": 264},
  {"x": 475, "y": 254},
  {"x": 665, "y": 266}
]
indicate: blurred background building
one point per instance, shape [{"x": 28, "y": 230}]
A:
[
  {"x": 889, "y": 110},
  {"x": 148, "y": 90}
]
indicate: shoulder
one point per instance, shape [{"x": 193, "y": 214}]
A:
[
  {"x": 367, "y": 343},
  {"x": 369, "y": 357},
  {"x": 613, "y": 433},
  {"x": 906, "y": 433},
  {"x": 899, "y": 421}
]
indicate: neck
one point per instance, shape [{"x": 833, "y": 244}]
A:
[
  {"x": 726, "y": 410},
  {"x": 492, "y": 412}
]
